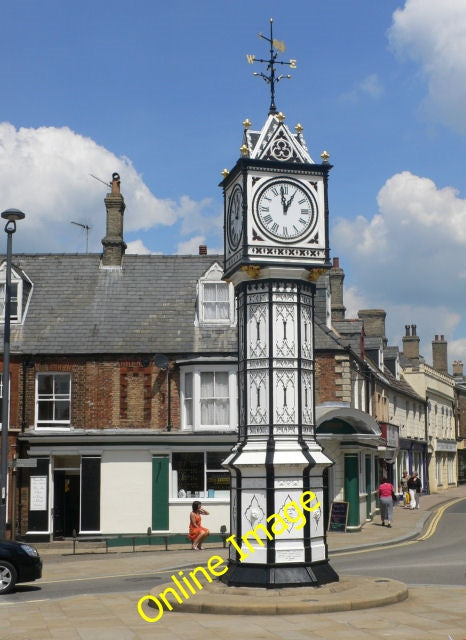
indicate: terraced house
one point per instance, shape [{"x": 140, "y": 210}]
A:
[{"x": 123, "y": 392}]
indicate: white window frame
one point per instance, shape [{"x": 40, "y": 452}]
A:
[
  {"x": 214, "y": 276},
  {"x": 196, "y": 371},
  {"x": 203, "y": 493},
  {"x": 14, "y": 317},
  {"x": 52, "y": 424}
]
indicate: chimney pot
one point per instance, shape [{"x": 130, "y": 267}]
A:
[
  {"x": 336, "y": 263},
  {"x": 202, "y": 249}
]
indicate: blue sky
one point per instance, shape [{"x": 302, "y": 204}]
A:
[{"x": 158, "y": 92}]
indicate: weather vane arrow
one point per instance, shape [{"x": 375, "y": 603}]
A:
[{"x": 270, "y": 76}]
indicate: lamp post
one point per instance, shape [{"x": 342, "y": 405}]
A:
[{"x": 11, "y": 216}]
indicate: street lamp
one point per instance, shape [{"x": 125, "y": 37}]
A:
[{"x": 11, "y": 216}]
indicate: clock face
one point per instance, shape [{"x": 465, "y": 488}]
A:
[
  {"x": 285, "y": 210},
  {"x": 235, "y": 217}
]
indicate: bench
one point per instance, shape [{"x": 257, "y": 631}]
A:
[
  {"x": 149, "y": 536},
  {"x": 92, "y": 539}
]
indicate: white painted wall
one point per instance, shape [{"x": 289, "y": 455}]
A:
[
  {"x": 126, "y": 491},
  {"x": 219, "y": 513}
]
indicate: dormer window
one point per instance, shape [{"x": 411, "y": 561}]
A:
[
  {"x": 19, "y": 294},
  {"x": 215, "y": 299},
  {"x": 15, "y": 312}
]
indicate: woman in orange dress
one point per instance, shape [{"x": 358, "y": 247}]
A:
[{"x": 197, "y": 534}]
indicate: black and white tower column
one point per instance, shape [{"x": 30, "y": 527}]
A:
[{"x": 276, "y": 246}]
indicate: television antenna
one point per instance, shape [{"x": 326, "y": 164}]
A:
[
  {"x": 100, "y": 180},
  {"x": 85, "y": 228}
]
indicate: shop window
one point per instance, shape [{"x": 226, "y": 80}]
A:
[{"x": 200, "y": 475}]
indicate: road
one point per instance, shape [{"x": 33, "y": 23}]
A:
[
  {"x": 97, "y": 583},
  {"x": 439, "y": 559}
]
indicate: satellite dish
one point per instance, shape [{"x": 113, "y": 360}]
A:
[{"x": 161, "y": 361}]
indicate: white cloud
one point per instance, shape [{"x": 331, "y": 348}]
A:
[
  {"x": 433, "y": 33},
  {"x": 458, "y": 347},
  {"x": 412, "y": 250},
  {"x": 191, "y": 246},
  {"x": 354, "y": 300},
  {"x": 45, "y": 172},
  {"x": 368, "y": 86},
  {"x": 137, "y": 247}
]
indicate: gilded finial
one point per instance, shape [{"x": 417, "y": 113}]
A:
[
  {"x": 280, "y": 117},
  {"x": 325, "y": 156},
  {"x": 244, "y": 150},
  {"x": 314, "y": 274},
  {"x": 253, "y": 270},
  {"x": 247, "y": 124},
  {"x": 299, "y": 129},
  {"x": 225, "y": 173}
]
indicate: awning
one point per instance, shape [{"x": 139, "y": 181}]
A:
[{"x": 359, "y": 421}]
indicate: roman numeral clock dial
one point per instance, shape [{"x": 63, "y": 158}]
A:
[{"x": 285, "y": 209}]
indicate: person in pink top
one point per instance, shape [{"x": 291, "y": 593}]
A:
[{"x": 386, "y": 492}]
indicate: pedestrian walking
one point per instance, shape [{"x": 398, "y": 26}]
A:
[
  {"x": 387, "y": 496},
  {"x": 414, "y": 487},
  {"x": 404, "y": 487}
]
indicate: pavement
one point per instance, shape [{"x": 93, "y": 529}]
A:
[{"x": 356, "y": 608}]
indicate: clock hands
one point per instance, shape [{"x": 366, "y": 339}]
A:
[
  {"x": 290, "y": 200},
  {"x": 285, "y": 204},
  {"x": 282, "y": 194}
]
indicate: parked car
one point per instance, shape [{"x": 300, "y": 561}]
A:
[{"x": 19, "y": 562}]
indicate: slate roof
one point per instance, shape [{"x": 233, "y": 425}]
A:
[{"x": 148, "y": 306}]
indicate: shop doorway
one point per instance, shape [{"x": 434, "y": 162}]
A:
[{"x": 65, "y": 503}]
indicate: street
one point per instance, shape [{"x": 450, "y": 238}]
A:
[
  {"x": 112, "y": 583},
  {"x": 438, "y": 560}
]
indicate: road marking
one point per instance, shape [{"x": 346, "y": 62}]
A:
[
  {"x": 436, "y": 519},
  {"x": 431, "y": 529},
  {"x": 114, "y": 575}
]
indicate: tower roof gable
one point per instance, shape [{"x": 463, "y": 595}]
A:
[{"x": 276, "y": 142}]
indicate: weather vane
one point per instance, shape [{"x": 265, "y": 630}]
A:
[{"x": 270, "y": 75}]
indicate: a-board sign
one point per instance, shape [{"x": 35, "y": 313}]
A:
[{"x": 338, "y": 516}]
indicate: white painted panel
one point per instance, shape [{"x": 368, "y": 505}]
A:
[{"x": 126, "y": 496}]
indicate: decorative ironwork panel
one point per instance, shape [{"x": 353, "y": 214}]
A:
[
  {"x": 285, "y": 398},
  {"x": 258, "y": 386}
]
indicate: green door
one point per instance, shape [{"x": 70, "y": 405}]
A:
[
  {"x": 160, "y": 520},
  {"x": 368, "y": 488},
  {"x": 352, "y": 488}
]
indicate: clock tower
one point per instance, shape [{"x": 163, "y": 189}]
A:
[{"x": 276, "y": 246}]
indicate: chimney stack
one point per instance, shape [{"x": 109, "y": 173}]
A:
[
  {"x": 113, "y": 243},
  {"x": 374, "y": 323},
  {"x": 439, "y": 354},
  {"x": 458, "y": 369},
  {"x": 336, "y": 277},
  {"x": 411, "y": 342}
]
